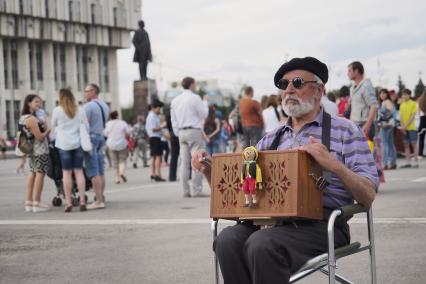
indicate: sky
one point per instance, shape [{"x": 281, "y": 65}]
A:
[{"x": 245, "y": 41}]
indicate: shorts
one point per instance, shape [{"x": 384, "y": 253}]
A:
[
  {"x": 410, "y": 137},
  {"x": 39, "y": 163},
  {"x": 94, "y": 161},
  {"x": 71, "y": 159},
  {"x": 118, "y": 157},
  {"x": 155, "y": 146}
]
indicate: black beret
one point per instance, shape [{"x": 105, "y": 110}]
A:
[{"x": 310, "y": 64}]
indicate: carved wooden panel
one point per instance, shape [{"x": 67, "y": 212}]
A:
[{"x": 288, "y": 190}]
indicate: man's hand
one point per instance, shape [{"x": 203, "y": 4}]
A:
[
  {"x": 201, "y": 161},
  {"x": 321, "y": 154},
  {"x": 366, "y": 128}
]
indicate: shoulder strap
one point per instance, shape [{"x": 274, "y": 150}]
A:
[
  {"x": 325, "y": 179},
  {"x": 276, "y": 113},
  {"x": 102, "y": 111},
  {"x": 326, "y": 129},
  {"x": 325, "y": 139}
]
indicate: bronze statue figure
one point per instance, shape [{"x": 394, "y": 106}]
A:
[{"x": 142, "y": 49}]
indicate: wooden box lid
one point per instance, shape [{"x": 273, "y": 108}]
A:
[{"x": 288, "y": 187}]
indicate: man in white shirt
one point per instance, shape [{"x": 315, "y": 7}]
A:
[
  {"x": 329, "y": 106},
  {"x": 188, "y": 112}
]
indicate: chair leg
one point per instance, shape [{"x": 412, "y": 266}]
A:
[
  {"x": 331, "y": 255},
  {"x": 216, "y": 263},
  {"x": 372, "y": 246}
]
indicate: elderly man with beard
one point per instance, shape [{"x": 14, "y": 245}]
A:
[{"x": 247, "y": 254}]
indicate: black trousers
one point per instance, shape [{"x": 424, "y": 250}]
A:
[
  {"x": 422, "y": 126},
  {"x": 249, "y": 255},
  {"x": 174, "y": 155}
]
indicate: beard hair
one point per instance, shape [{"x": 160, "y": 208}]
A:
[{"x": 300, "y": 109}]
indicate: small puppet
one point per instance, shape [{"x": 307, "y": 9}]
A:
[{"x": 251, "y": 176}]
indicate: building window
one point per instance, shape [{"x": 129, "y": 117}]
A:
[
  {"x": 78, "y": 60},
  {"x": 46, "y": 7},
  {"x": 70, "y": 10},
  {"x": 12, "y": 117},
  {"x": 14, "y": 62},
  {"x": 93, "y": 12},
  {"x": 21, "y": 7},
  {"x": 36, "y": 65},
  {"x": 3, "y": 7},
  {"x": 32, "y": 73},
  {"x": 55, "y": 8},
  {"x": 85, "y": 66},
  {"x": 59, "y": 61},
  {"x": 82, "y": 67},
  {"x": 114, "y": 11},
  {"x": 78, "y": 11},
  {"x": 39, "y": 64},
  {"x": 103, "y": 69},
  {"x": 6, "y": 64}
]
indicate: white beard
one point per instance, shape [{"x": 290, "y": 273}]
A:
[{"x": 299, "y": 109}]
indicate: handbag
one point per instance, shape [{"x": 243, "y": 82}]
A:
[
  {"x": 24, "y": 144},
  {"x": 85, "y": 142}
]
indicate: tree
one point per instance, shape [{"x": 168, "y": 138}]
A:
[
  {"x": 419, "y": 89},
  {"x": 401, "y": 86},
  {"x": 128, "y": 115}
]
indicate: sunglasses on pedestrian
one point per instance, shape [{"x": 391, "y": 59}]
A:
[{"x": 297, "y": 82}]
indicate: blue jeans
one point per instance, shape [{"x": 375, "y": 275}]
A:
[
  {"x": 388, "y": 145},
  {"x": 71, "y": 159},
  {"x": 94, "y": 161},
  {"x": 213, "y": 147}
]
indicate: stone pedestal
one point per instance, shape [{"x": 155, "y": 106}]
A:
[{"x": 143, "y": 93}]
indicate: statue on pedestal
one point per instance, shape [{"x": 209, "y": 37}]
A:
[{"x": 142, "y": 49}]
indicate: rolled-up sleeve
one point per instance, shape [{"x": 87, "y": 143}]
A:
[{"x": 357, "y": 155}]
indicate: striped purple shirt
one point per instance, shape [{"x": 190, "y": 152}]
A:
[{"x": 347, "y": 144}]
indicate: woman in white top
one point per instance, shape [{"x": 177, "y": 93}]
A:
[
  {"x": 67, "y": 118},
  {"x": 271, "y": 116},
  {"x": 117, "y": 131}
]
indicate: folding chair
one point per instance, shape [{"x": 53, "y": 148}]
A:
[{"x": 326, "y": 263}]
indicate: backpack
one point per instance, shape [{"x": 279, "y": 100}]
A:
[{"x": 24, "y": 144}]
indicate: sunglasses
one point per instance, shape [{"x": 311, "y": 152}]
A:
[{"x": 297, "y": 82}]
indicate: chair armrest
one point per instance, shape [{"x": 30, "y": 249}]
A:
[{"x": 353, "y": 209}]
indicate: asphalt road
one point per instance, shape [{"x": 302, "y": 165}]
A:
[{"x": 150, "y": 234}]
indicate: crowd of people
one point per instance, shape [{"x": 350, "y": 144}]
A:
[
  {"x": 160, "y": 139},
  {"x": 364, "y": 128}
]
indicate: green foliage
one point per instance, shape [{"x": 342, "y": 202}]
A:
[
  {"x": 201, "y": 92},
  {"x": 419, "y": 89},
  {"x": 401, "y": 85},
  {"x": 127, "y": 115}
]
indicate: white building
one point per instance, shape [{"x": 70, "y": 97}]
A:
[{"x": 51, "y": 44}]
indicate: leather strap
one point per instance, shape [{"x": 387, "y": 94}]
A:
[{"x": 325, "y": 179}]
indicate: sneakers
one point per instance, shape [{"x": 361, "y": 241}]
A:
[
  {"x": 28, "y": 206},
  {"x": 186, "y": 195},
  {"x": 406, "y": 166},
  {"x": 96, "y": 205},
  {"x": 38, "y": 207}
]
